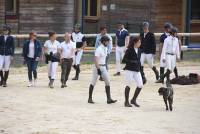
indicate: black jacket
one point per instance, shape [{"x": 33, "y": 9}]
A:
[
  {"x": 7, "y": 47},
  {"x": 37, "y": 47},
  {"x": 148, "y": 44},
  {"x": 132, "y": 60}
]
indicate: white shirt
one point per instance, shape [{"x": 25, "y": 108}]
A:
[
  {"x": 31, "y": 50},
  {"x": 136, "y": 50},
  {"x": 5, "y": 37},
  {"x": 101, "y": 53},
  {"x": 51, "y": 46},
  {"x": 171, "y": 45},
  {"x": 77, "y": 37},
  {"x": 67, "y": 49}
]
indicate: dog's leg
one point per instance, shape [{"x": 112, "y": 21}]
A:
[{"x": 165, "y": 100}]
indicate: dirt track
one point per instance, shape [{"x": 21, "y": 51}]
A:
[{"x": 41, "y": 110}]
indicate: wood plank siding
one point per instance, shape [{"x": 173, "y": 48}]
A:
[{"x": 45, "y": 15}]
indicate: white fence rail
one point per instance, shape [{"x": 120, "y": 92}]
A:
[
  {"x": 90, "y": 49},
  {"x": 93, "y": 35}
]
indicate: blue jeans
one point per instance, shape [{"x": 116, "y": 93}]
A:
[{"x": 32, "y": 68}]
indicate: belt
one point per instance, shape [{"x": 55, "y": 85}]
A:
[
  {"x": 170, "y": 54},
  {"x": 102, "y": 64},
  {"x": 67, "y": 58}
]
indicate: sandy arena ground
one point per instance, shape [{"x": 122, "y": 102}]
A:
[{"x": 41, "y": 110}]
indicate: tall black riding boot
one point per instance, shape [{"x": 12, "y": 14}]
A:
[
  {"x": 143, "y": 75},
  {"x": 162, "y": 77},
  {"x": 77, "y": 73},
  {"x": 74, "y": 66},
  {"x": 176, "y": 72},
  {"x": 5, "y": 78},
  {"x": 126, "y": 93},
  {"x": 168, "y": 75},
  {"x": 91, "y": 88},
  {"x": 109, "y": 100},
  {"x": 51, "y": 83},
  {"x": 137, "y": 92},
  {"x": 1, "y": 75},
  {"x": 49, "y": 80},
  {"x": 156, "y": 72},
  {"x": 162, "y": 70}
]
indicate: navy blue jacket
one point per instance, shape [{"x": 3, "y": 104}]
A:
[
  {"x": 121, "y": 37},
  {"x": 132, "y": 60},
  {"x": 163, "y": 37},
  {"x": 7, "y": 47},
  {"x": 37, "y": 46},
  {"x": 148, "y": 44}
]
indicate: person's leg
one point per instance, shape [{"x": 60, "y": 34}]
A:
[
  {"x": 128, "y": 80},
  {"x": 162, "y": 65},
  {"x": 1, "y": 69},
  {"x": 93, "y": 83},
  {"x": 118, "y": 68},
  {"x": 174, "y": 69},
  {"x": 7, "y": 62},
  {"x": 28, "y": 61},
  {"x": 162, "y": 69},
  {"x": 107, "y": 61},
  {"x": 142, "y": 60},
  {"x": 167, "y": 73},
  {"x": 49, "y": 69},
  {"x": 150, "y": 61},
  {"x": 35, "y": 64},
  {"x": 63, "y": 72},
  {"x": 138, "y": 79},
  {"x": 77, "y": 68},
  {"x": 68, "y": 70},
  {"x": 107, "y": 85},
  {"x": 53, "y": 73}
]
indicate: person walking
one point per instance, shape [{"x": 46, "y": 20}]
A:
[
  {"x": 67, "y": 51},
  {"x": 51, "y": 50},
  {"x": 100, "y": 70},
  {"x": 7, "y": 49},
  {"x": 132, "y": 70},
  {"x": 31, "y": 52}
]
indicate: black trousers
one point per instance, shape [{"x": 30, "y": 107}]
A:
[{"x": 65, "y": 69}]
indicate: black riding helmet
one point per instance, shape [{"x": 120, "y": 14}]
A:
[
  {"x": 104, "y": 39},
  {"x": 167, "y": 25},
  {"x": 7, "y": 28}
]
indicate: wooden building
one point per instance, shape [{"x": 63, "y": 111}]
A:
[
  {"x": 61, "y": 15},
  {"x": 40, "y": 15}
]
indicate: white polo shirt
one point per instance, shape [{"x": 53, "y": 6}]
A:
[
  {"x": 67, "y": 49},
  {"x": 52, "y": 46},
  {"x": 101, "y": 53}
]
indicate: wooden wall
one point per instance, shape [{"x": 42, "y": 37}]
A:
[
  {"x": 2, "y": 12},
  {"x": 45, "y": 15},
  {"x": 134, "y": 12},
  {"x": 130, "y": 12},
  {"x": 168, "y": 11}
]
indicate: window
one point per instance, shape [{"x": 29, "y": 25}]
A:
[
  {"x": 11, "y": 7},
  {"x": 92, "y": 9},
  {"x": 195, "y": 10}
]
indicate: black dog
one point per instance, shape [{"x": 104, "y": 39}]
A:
[{"x": 167, "y": 93}]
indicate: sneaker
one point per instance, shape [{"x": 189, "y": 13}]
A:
[
  {"x": 30, "y": 84},
  {"x": 117, "y": 74}
]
